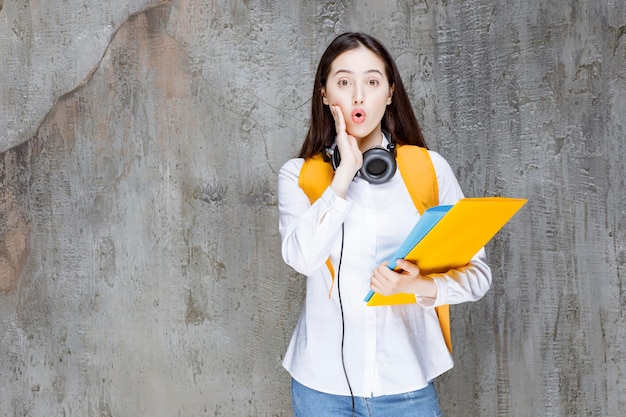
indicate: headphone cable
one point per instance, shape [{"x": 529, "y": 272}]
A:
[{"x": 343, "y": 323}]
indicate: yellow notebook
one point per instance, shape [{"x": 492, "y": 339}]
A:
[{"x": 449, "y": 236}]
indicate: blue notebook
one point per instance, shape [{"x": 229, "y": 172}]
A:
[{"x": 428, "y": 220}]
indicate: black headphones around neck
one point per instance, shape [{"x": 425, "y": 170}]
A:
[{"x": 379, "y": 164}]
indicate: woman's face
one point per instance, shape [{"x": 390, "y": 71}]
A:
[{"x": 358, "y": 84}]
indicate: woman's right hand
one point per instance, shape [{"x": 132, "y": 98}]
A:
[{"x": 351, "y": 156}]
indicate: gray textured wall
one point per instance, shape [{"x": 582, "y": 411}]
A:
[{"x": 140, "y": 271}]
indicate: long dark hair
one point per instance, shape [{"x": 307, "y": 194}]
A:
[{"x": 399, "y": 119}]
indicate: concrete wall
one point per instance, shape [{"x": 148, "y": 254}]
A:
[{"x": 140, "y": 270}]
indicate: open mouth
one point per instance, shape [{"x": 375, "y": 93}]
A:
[{"x": 358, "y": 116}]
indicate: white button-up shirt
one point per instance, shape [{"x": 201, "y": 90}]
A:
[{"x": 388, "y": 349}]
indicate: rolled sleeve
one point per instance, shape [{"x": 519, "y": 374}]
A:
[{"x": 469, "y": 283}]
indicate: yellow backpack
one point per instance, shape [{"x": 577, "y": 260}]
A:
[{"x": 418, "y": 173}]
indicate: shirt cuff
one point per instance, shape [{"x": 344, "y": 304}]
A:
[
  {"x": 432, "y": 302},
  {"x": 331, "y": 199}
]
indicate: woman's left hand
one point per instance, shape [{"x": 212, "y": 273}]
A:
[{"x": 385, "y": 281}]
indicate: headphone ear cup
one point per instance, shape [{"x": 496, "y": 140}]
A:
[
  {"x": 336, "y": 158},
  {"x": 331, "y": 155},
  {"x": 379, "y": 165}
]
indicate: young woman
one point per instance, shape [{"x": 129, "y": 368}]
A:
[{"x": 347, "y": 358}]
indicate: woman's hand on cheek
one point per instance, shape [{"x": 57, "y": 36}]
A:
[
  {"x": 351, "y": 157},
  {"x": 384, "y": 281}
]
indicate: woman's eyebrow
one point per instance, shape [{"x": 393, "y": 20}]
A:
[{"x": 340, "y": 71}]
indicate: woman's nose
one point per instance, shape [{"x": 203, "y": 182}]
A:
[{"x": 358, "y": 96}]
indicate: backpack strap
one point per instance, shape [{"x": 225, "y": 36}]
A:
[
  {"x": 418, "y": 174},
  {"x": 420, "y": 179},
  {"x": 315, "y": 177}
]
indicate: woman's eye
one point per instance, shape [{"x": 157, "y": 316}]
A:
[
  {"x": 343, "y": 83},
  {"x": 373, "y": 82}
]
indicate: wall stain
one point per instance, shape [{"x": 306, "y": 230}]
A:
[
  {"x": 15, "y": 227},
  {"x": 194, "y": 315},
  {"x": 260, "y": 195},
  {"x": 213, "y": 193},
  {"x": 106, "y": 261}
]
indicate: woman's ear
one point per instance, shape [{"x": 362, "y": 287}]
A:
[
  {"x": 390, "y": 94},
  {"x": 324, "y": 99}
]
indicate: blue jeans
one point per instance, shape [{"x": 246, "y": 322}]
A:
[{"x": 311, "y": 403}]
